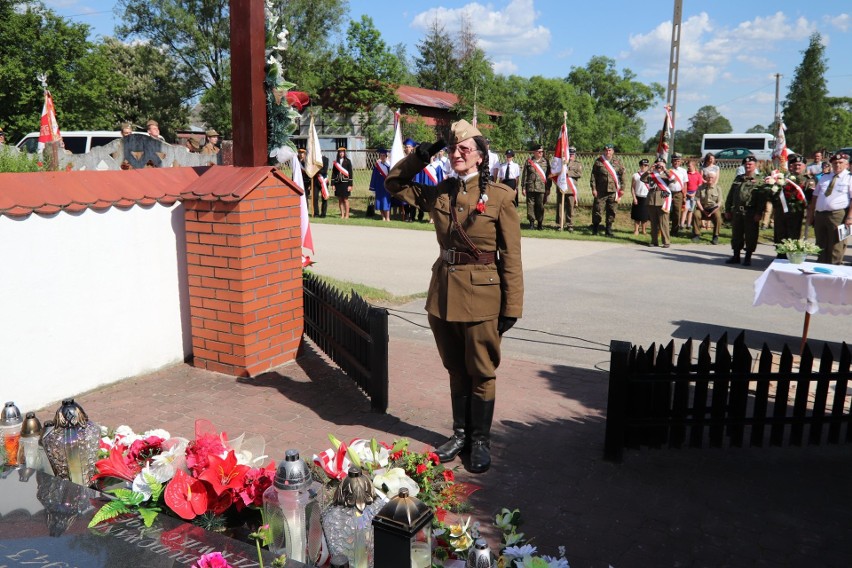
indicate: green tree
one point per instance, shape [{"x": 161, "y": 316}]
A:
[
  {"x": 618, "y": 99},
  {"x": 805, "y": 110},
  {"x": 706, "y": 120},
  {"x": 759, "y": 129},
  {"x": 151, "y": 86},
  {"x": 435, "y": 64},
  {"x": 33, "y": 39},
  {"x": 364, "y": 73},
  {"x": 311, "y": 26},
  {"x": 840, "y": 118}
]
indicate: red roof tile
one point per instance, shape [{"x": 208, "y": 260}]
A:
[
  {"x": 426, "y": 97},
  {"x": 48, "y": 193}
]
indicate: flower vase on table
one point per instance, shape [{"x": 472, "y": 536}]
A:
[{"x": 796, "y": 257}]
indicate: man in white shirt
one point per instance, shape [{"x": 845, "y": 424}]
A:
[
  {"x": 509, "y": 172},
  {"x": 831, "y": 207},
  {"x": 815, "y": 167},
  {"x": 493, "y": 161},
  {"x": 677, "y": 186}
]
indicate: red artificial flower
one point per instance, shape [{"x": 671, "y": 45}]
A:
[
  {"x": 421, "y": 469},
  {"x": 144, "y": 449},
  {"x": 199, "y": 450},
  {"x": 224, "y": 473},
  {"x": 256, "y": 481},
  {"x": 433, "y": 457},
  {"x": 186, "y": 496},
  {"x": 117, "y": 466},
  {"x": 218, "y": 504},
  {"x": 480, "y": 206},
  {"x": 440, "y": 514},
  {"x": 449, "y": 475}
]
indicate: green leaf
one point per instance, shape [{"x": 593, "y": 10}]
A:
[
  {"x": 128, "y": 496},
  {"x": 109, "y": 511},
  {"x": 148, "y": 514},
  {"x": 156, "y": 486}
]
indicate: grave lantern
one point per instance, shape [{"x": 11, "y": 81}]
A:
[
  {"x": 403, "y": 533},
  {"x": 347, "y": 523},
  {"x": 72, "y": 443}
]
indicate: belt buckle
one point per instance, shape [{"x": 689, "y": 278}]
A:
[{"x": 451, "y": 256}]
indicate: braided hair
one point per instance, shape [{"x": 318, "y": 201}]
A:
[{"x": 484, "y": 166}]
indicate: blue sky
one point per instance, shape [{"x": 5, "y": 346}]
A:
[{"x": 730, "y": 49}]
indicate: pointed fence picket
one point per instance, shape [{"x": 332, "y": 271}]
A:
[
  {"x": 656, "y": 399},
  {"x": 353, "y": 333}
]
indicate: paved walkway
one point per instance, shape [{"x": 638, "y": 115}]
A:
[{"x": 708, "y": 507}]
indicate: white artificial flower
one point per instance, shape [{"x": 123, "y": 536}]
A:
[
  {"x": 282, "y": 41},
  {"x": 158, "y": 432},
  {"x": 140, "y": 485},
  {"x": 394, "y": 479},
  {"x": 515, "y": 552},
  {"x": 365, "y": 454},
  {"x": 170, "y": 459},
  {"x": 555, "y": 562}
]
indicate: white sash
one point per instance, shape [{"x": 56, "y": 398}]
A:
[
  {"x": 431, "y": 174},
  {"x": 572, "y": 186},
  {"x": 663, "y": 186},
  {"x": 323, "y": 186},
  {"x": 611, "y": 171}
]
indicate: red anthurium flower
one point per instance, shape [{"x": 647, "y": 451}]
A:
[
  {"x": 440, "y": 514},
  {"x": 116, "y": 466},
  {"x": 186, "y": 496},
  {"x": 224, "y": 473}
]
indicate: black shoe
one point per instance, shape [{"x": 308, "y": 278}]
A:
[
  {"x": 696, "y": 239},
  {"x": 532, "y": 226},
  {"x": 595, "y": 229},
  {"x": 539, "y": 227},
  {"x": 715, "y": 241},
  {"x": 451, "y": 448},
  {"x": 481, "y": 415},
  {"x": 735, "y": 259},
  {"x": 747, "y": 259}
]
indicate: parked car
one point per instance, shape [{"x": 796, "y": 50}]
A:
[
  {"x": 733, "y": 154},
  {"x": 76, "y": 141}
]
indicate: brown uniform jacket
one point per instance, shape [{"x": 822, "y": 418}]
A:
[
  {"x": 468, "y": 292},
  {"x": 601, "y": 180},
  {"x": 209, "y": 148},
  {"x": 656, "y": 194}
]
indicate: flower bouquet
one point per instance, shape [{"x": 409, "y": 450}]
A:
[
  {"x": 210, "y": 480},
  {"x": 796, "y": 249}
]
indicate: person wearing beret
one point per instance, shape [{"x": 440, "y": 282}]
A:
[
  {"x": 790, "y": 200},
  {"x": 153, "y": 129},
  {"x": 607, "y": 183},
  {"x": 679, "y": 179},
  {"x": 477, "y": 289},
  {"x": 831, "y": 207},
  {"x": 535, "y": 185},
  {"x": 341, "y": 178},
  {"x": 212, "y": 145},
  {"x": 377, "y": 184},
  {"x": 743, "y": 207}
]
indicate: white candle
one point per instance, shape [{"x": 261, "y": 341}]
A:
[{"x": 421, "y": 555}]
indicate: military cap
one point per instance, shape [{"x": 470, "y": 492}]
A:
[
  {"x": 749, "y": 159},
  {"x": 795, "y": 159},
  {"x": 510, "y": 153},
  {"x": 461, "y": 131},
  {"x": 643, "y": 162},
  {"x": 381, "y": 150},
  {"x": 193, "y": 143},
  {"x": 609, "y": 146},
  {"x": 211, "y": 132},
  {"x": 537, "y": 148},
  {"x": 409, "y": 142},
  {"x": 659, "y": 161},
  {"x": 676, "y": 157},
  {"x": 572, "y": 149},
  {"x": 341, "y": 148},
  {"x": 839, "y": 156},
  {"x": 152, "y": 123}
]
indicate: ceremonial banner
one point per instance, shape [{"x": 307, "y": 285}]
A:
[
  {"x": 665, "y": 135},
  {"x": 780, "y": 150},
  {"x": 313, "y": 160},
  {"x": 559, "y": 163},
  {"x": 49, "y": 129},
  {"x": 307, "y": 237},
  {"x": 396, "y": 153}
]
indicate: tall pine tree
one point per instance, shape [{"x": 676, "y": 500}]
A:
[
  {"x": 435, "y": 63},
  {"x": 806, "y": 109}
]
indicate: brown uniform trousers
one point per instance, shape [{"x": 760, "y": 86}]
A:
[
  {"x": 607, "y": 195},
  {"x": 659, "y": 218},
  {"x": 575, "y": 172}
]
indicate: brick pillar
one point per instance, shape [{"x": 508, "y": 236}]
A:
[{"x": 245, "y": 275}]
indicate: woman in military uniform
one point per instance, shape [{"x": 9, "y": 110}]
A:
[{"x": 476, "y": 292}]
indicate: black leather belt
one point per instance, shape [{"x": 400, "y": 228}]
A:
[{"x": 453, "y": 256}]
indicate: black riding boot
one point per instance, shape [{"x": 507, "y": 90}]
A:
[
  {"x": 747, "y": 259},
  {"x": 734, "y": 259},
  {"x": 595, "y": 228},
  {"x": 609, "y": 229},
  {"x": 458, "y": 441},
  {"x": 481, "y": 415}
]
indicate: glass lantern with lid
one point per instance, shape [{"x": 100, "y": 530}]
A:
[{"x": 402, "y": 533}]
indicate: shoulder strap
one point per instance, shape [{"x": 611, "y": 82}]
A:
[{"x": 457, "y": 227}]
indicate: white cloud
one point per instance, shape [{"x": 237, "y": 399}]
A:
[
  {"x": 500, "y": 32},
  {"x": 504, "y": 67},
  {"x": 841, "y": 21}
]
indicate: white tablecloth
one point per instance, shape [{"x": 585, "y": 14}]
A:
[{"x": 785, "y": 284}]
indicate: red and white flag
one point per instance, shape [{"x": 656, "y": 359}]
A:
[
  {"x": 307, "y": 237},
  {"x": 559, "y": 163},
  {"x": 780, "y": 150},
  {"x": 49, "y": 129},
  {"x": 665, "y": 135},
  {"x": 313, "y": 159}
]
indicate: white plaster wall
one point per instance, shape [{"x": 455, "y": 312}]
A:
[{"x": 88, "y": 299}]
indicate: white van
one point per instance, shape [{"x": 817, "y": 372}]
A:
[
  {"x": 76, "y": 141},
  {"x": 760, "y": 144}
]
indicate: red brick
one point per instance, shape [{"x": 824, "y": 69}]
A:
[
  {"x": 206, "y": 334},
  {"x": 217, "y": 367},
  {"x": 240, "y": 318},
  {"x": 211, "y": 239},
  {"x": 216, "y": 283},
  {"x": 192, "y": 237},
  {"x": 269, "y": 333},
  {"x": 247, "y": 285},
  {"x": 205, "y": 354},
  {"x": 246, "y": 240},
  {"x": 199, "y": 342},
  {"x": 235, "y": 360},
  {"x": 265, "y": 269},
  {"x": 246, "y": 217},
  {"x": 202, "y": 313},
  {"x": 215, "y": 261},
  {"x": 219, "y": 326},
  {"x": 247, "y": 262},
  {"x": 194, "y": 280},
  {"x": 267, "y": 247},
  {"x": 219, "y": 347},
  {"x": 231, "y": 251},
  {"x": 229, "y": 229},
  {"x": 230, "y": 274},
  {"x": 231, "y": 296},
  {"x": 197, "y": 227},
  {"x": 199, "y": 249}
]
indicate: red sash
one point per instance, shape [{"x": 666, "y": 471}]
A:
[
  {"x": 800, "y": 194},
  {"x": 380, "y": 167},
  {"x": 538, "y": 170},
  {"x": 341, "y": 169},
  {"x": 572, "y": 186},
  {"x": 673, "y": 175}
]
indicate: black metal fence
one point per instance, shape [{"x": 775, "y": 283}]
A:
[
  {"x": 656, "y": 401},
  {"x": 353, "y": 333}
]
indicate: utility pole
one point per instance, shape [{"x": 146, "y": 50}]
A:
[
  {"x": 777, "y": 101},
  {"x": 671, "y": 90}
]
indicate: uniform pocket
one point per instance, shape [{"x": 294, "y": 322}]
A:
[{"x": 486, "y": 294}]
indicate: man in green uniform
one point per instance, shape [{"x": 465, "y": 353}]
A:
[
  {"x": 477, "y": 287},
  {"x": 708, "y": 207},
  {"x": 790, "y": 200},
  {"x": 744, "y": 207},
  {"x": 574, "y": 172},
  {"x": 607, "y": 181},
  {"x": 535, "y": 184}
]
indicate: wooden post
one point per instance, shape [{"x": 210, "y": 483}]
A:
[{"x": 248, "y": 98}]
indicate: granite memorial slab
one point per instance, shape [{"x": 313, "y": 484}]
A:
[{"x": 44, "y": 522}]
